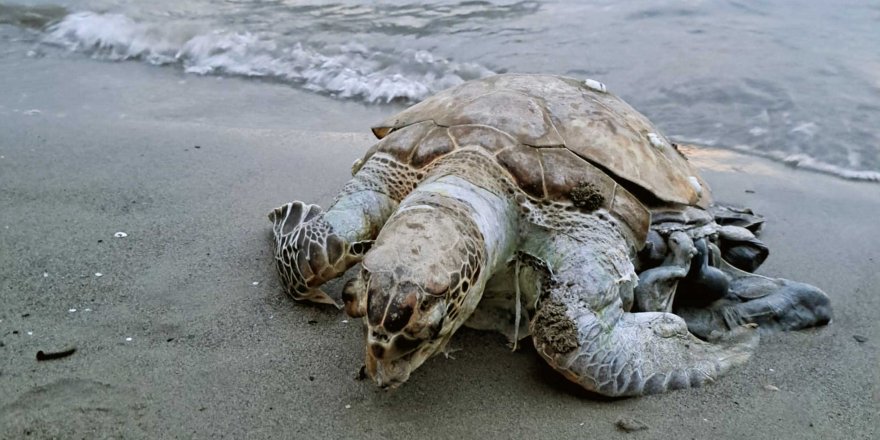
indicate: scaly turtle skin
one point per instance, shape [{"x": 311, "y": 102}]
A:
[{"x": 544, "y": 206}]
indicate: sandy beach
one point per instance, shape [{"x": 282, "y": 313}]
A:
[{"x": 187, "y": 334}]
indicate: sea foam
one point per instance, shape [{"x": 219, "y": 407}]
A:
[
  {"x": 796, "y": 160},
  {"x": 345, "y": 71},
  {"x": 807, "y": 162}
]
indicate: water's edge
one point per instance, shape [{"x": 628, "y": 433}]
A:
[{"x": 348, "y": 71}]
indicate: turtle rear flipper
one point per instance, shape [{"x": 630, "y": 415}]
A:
[
  {"x": 582, "y": 331},
  {"x": 774, "y": 304}
]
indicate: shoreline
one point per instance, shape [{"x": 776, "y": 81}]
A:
[{"x": 211, "y": 354}]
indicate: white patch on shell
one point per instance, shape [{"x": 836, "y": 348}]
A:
[
  {"x": 595, "y": 85},
  {"x": 696, "y": 184},
  {"x": 658, "y": 141}
]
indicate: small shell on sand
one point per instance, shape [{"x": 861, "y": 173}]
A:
[
  {"x": 120, "y": 235},
  {"x": 98, "y": 274}
]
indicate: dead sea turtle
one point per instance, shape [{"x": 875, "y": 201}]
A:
[{"x": 545, "y": 206}]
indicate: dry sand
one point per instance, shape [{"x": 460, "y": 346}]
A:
[{"x": 214, "y": 355}]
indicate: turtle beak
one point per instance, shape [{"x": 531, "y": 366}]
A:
[{"x": 387, "y": 373}]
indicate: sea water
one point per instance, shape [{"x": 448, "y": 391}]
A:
[{"x": 793, "y": 80}]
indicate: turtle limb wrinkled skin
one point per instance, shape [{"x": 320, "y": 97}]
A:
[
  {"x": 582, "y": 330},
  {"x": 313, "y": 246},
  {"x": 548, "y": 201}
]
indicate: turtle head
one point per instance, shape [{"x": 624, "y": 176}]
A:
[
  {"x": 415, "y": 290},
  {"x": 403, "y": 325}
]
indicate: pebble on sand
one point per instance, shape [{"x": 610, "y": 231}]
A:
[
  {"x": 98, "y": 274},
  {"x": 255, "y": 283},
  {"x": 629, "y": 424},
  {"x": 769, "y": 387},
  {"x": 71, "y": 310}
]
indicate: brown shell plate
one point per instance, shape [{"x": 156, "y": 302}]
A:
[{"x": 542, "y": 111}]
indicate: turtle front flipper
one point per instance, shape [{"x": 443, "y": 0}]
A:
[
  {"x": 581, "y": 329},
  {"x": 313, "y": 246},
  {"x": 308, "y": 251},
  {"x": 774, "y": 304}
]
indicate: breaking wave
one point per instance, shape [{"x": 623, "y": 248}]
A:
[
  {"x": 346, "y": 71},
  {"x": 807, "y": 162},
  {"x": 374, "y": 74},
  {"x": 796, "y": 160}
]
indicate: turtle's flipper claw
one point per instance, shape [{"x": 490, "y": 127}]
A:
[
  {"x": 447, "y": 352},
  {"x": 318, "y": 296}
]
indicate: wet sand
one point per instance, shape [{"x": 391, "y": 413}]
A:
[{"x": 189, "y": 174}]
